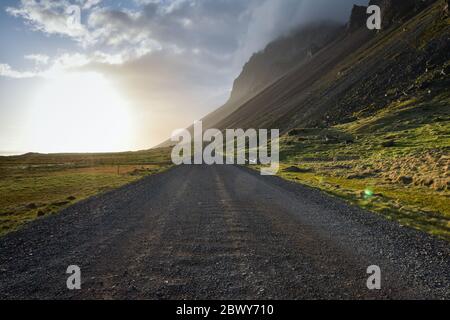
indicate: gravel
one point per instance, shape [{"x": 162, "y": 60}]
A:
[{"x": 220, "y": 232}]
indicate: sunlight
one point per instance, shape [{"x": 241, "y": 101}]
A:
[{"x": 79, "y": 112}]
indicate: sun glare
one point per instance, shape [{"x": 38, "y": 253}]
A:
[{"x": 79, "y": 112}]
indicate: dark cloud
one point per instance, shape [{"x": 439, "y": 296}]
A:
[{"x": 219, "y": 30}]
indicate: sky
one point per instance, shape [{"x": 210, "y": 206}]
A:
[{"x": 116, "y": 75}]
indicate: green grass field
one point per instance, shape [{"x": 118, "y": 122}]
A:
[
  {"x": 37, "y": 185},
  {"x": 395, "y": 162}
]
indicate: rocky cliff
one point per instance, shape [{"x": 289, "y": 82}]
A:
[{"x": 281, "y": 56}]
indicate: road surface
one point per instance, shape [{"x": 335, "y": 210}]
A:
[{"x": 220, "y": 232}]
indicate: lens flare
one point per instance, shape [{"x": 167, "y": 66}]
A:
[{"x": 368, "y": 193}]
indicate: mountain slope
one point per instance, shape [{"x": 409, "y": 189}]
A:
[
  {"x": 267, "y": 66},
  {"x": 360, "y": 70},
  {"x": 281, "y": 56}
]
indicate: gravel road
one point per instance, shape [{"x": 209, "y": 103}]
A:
[{"x": 220, "y": 232}]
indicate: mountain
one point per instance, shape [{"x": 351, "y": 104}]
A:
[
  {"x": 281, "y": 56},
  {"x": 322, "y": 74},
  {"x": 359, "y": 70}
]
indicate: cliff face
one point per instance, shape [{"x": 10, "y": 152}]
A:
[
  {"x": 399, "y": 10},
  {"x": 359, "y": 73},
  {"x": 392, "y": 11},
  {"x": 281, "y": 56},
  {"x": 358, "y": 18}
]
